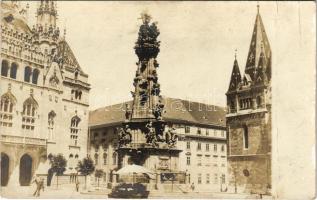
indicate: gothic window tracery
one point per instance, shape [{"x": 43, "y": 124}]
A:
[
  {"x": 6, "y": 108},
  {"x": 74, "y": 130},
  {"x": 28, "y": 115}
]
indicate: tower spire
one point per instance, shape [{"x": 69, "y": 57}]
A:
[
  {"x": 259, "y": 38},
  {"x": 235, "y": 74},
  {"x": 46, "y": 13}
]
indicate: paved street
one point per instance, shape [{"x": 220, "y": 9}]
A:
[
  {"x": 64, "y": 191},
  {"x": 68, "y": 192}
]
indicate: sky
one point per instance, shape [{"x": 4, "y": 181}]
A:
[{"x": 198, "y": 42}]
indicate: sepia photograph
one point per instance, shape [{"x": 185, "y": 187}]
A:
[{"x": 158, "y": 99}]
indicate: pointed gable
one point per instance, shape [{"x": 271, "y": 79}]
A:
[
  {"x": 259, "y": 40},
  {"x": 69, "y": 59},
  {"x": 53, "y": 77},
  {"x": 235, "y": 77}
]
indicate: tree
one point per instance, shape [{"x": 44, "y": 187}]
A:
[
  {"x": 86, "y": 167},
  {"x": 98, "y": 175},
  {"x": 58, "y": 165}
]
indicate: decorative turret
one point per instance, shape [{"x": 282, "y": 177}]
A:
[
  {"x": 259, "y": 40},
  {"x": 46, "y": 13},
  {"x": 45, "y": 29},
  {"x": 235, "y": 75}
]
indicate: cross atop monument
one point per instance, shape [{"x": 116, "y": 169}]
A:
[{"x": 146, "y": 18}]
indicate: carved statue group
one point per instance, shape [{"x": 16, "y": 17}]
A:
[
  {"x": 147, "y": 93},
  {"x": 125, "y": 136}
]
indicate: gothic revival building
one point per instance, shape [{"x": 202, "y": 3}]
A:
[
  {"x": 249, "y": 117},
  {"x": 44, "y": 95}
]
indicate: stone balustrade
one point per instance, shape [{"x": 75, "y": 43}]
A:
[{"x": 22, "y": 140}]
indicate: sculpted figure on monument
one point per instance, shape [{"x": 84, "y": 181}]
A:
[
  {"x": 170, "y": 137},
  {"x": 158, "y": 110},
  {"x": 150, "y": 134},
  {"x": 127, "y": 112},
  {"x": 124, "y": 135}
]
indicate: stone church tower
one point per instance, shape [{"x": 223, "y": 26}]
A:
[{"x": 249, "y": 117}]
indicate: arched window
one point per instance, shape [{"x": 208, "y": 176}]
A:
[
  {"x": 71, "y": 161},
  {"x": 96, "y": 158},
  {"x": 28, "y": 115},
  {"x": 258, "y": 101},
  {"x": 79, "y": 95},
  {"x": 51, "y": 116},
  {"x": 105, "y": 156},
  {"x": 27, "y": 74},
  {"x": 13, "y": 71},
  {"x": 74, "y": 129},
  {"x": 76, "y": 74},
  {"x": 6, "y": 108},
  {"x": 76, "y": 160},
  {"x": 4, "y": 68},
  {"x": 245, "y": 137},
  {"x": 114, "y": 158},
  {"x": 35, "y": 76}
]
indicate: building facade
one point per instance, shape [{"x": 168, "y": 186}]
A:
[
  {"x": 249, "y": 117},
  {"x": 201, "y": 134},
  {"x": 44, "y": 95}
]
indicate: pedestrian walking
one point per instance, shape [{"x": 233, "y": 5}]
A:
[
  {"x": 77, "y": 184},
  {"x": 42, "y": 184},
  {"x": 192, "y": 186},
  {"x": 38, "y": 186}
]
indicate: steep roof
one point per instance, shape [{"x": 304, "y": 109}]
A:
[
  {"x": 259, "y": 40},
  {"x": 176, "y": 111},
  {"x": 68, "y": 55},
  {"x": 235, "y": 76}
]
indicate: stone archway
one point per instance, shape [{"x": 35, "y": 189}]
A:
[
  {"x": 26, "y": 163},
  {"x": 4, "y": 169}
]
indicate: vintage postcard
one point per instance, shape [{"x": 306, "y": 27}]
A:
[{"x": 158, "y": 99}]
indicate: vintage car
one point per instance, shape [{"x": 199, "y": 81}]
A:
[{"x": 129, "y": 190}]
